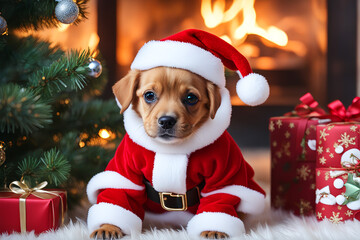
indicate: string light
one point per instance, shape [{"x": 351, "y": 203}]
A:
[
  {"x": 81, "y": 144},
  {"x": 103, "y": 133}
]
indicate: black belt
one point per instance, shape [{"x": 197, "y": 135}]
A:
[{"x": 172, "y": 201}]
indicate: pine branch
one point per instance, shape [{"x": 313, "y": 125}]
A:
[
  {"x": 52, "y": 166},
  {"x": 7, "y": 174},
  {"x": 22, "y": 109},
  {"x": 89, "y": 161},
  {"x": 90, "y": 116},
  {"x": 3, "y": 42},
  {"x": 55, "y": 167},
  {"x": 85, "y": 161},
  {"x": 30, "y": 14},
  {"x": 28, "y": 170},
  {"x": 23, "y": 56},
  {"x": 67, "y": 74}
]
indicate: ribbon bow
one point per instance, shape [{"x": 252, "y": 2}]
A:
[
  {"x": 307, "y": 108},
  {"x": 341, "y": 114},
  {"x": 23, "y": 189},
  {"x": 352, "y": 189},
  {"x": 348, "y": 167}
]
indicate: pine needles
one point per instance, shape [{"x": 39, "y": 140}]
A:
[
  {"x": 66, "y": 74},
  {"x": 52, "y": 166},
  {"x": 35, "y": 15},
  {"x": 49, "y": 118},
  {"x": 22, "y": 109}
]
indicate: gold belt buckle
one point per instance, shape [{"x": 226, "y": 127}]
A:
[{"x": 164, "y": 195}]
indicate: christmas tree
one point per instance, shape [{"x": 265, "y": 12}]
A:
[{"x": 52, "y": 126}]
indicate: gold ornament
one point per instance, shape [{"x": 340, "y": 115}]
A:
[{"x": 2, "y": 153}]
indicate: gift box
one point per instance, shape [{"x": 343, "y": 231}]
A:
[
  {"x": 34, "y": 209},
  {"x": 337, "y": 144},
  {"x": 293, "y": 157},
  {"x": 332, "y": 195}
]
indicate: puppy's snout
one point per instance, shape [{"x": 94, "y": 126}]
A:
[{"x": 167, "y": 122}]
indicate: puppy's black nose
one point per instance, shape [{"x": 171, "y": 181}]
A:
[{"x": 166, "y": 122}]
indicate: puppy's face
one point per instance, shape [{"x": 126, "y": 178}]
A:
[{"x": 173, "y": 103}]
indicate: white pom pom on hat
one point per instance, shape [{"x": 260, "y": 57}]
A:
[
  {"x": 253, "y": 89},
  {"x": 204, "y": 54}
]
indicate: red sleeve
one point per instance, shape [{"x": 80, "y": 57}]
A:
[
  {"x": 229, "y": 185},
  {"x": 124, "y": 164}
]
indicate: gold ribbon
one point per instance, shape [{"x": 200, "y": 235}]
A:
[{"x": 25, "y": 191}]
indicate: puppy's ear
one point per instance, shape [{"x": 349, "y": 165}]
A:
[
  {"x": 214, "y": 97},
  {"x": 124, "y": 89}
]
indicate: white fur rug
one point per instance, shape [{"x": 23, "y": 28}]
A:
[{"x": 272, "y": 225}]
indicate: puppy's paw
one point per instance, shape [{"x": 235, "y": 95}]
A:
[
  {"x": 213, "y": 235},
  {"x": 107, "y": 231}
]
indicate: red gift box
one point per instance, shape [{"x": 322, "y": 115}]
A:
[
  {"x": 35, "y": 210},
  {"x": 330, "y": 196},
  {"x": 337, "y": 144},
  {"x": 293, "y": 158}
]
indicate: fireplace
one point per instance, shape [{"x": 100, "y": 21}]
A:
[
  {"x": 320, "y": 54},
  {"x": 299, "y": 46},
  {"x": 283, "y": 40}
]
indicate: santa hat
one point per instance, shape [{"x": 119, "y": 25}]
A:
[{"x": 204, "y": 54}]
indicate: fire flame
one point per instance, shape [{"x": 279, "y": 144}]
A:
[
  {"x": 215, "y": 14},
  {"x": 93, "y": 44}
]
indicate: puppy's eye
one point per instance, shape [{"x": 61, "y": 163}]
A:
[
  {"x": 191, "y": 99},
  {"x": 150, "y": 97}
]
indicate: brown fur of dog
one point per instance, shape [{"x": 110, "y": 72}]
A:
[
  {"x": 171, "y": 86},
  {"x": 107, "y": 231}
]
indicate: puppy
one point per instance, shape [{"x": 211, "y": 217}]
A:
[
  {"x": 172, "y": 103},
  {"x": 177, "y": 163}
]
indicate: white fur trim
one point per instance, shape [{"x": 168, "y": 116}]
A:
[
  {"x": 253, "y": 89},
  {"x": 213, "y": 221},
  {"x": 112, "y": 214},
  {"x": 252, "y": 202},
  {"x": 180, "y": 55},
  {"x": 211, "y": 130},
  {"x": 169, "y": 173},
  {"x": 175, "y": 218},
  {"x": 108, "y": 179},
  {"x": 118, "y": 103}
]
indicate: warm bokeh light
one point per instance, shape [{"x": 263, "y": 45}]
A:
[
  {"x": 93, "y": 44},
  {"x": 81, "y": 144},
  {"x": 103, "y": 133},
  {"x": 63, "y": 27}
]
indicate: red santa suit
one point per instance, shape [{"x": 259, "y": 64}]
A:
[{"x": 211, "y": 155}]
